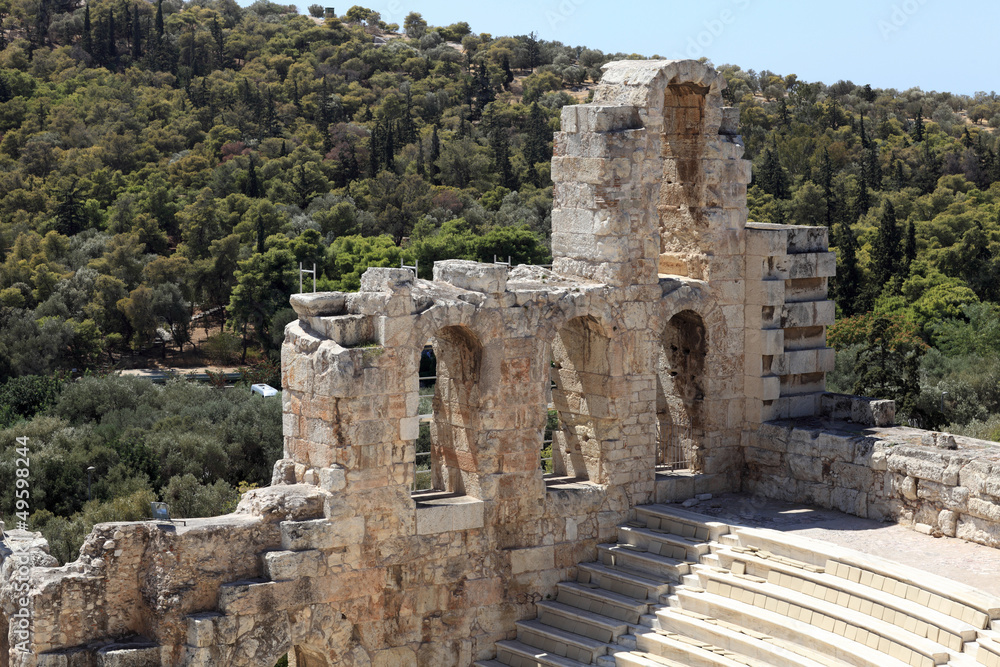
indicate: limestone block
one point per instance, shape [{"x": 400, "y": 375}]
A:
[
  {"x": 473, "y": 276},
  {"x": 409, "y": 428},
  {"x": 319, "y": 304},
  {"x": 378, "y": 279},
  {"x": 449, "y": 514},
  {"x": 322, "y": 533},
  {"x": 201, "y": 629},
  {"x": 580, "y": 169},
  {"x": 394, "y": 657},
  {"x": 765, "y": 292},
  {"x": 766, "y": 388},
  {"x": 807, "y": 314},
  {"x": 873, "y": 412},
  {"x": 283, "y": 565},
  {"x": 532, "y": 559},
  {"x": 573, "y": 221},
  {"x": 804, "y": 238},
  {"x": 347, "y": 330},
  {"x": 125, "y": 655},
  {"x": 730, "y": 122}
]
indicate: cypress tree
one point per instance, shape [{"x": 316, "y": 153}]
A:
[
  {"x": 826, "y": 180},
  {"x": 112, "y": 47},
  {"x": 918, "y": 125},
  {"x": 847, "y": 283},
  {"x": 887, "y": 251},
  {"x": 910, "y": 249},
  {"x": 69, "y": 211},
  {"x": 136, "y": 35},
  {"x": 772, "y": 176},
  {"x": 254, "y": 190},
  {"x": 508, "y": 74},
  {"x": 435, "y": 154},
  {"x": 159, "y": 18},
  {"x": 88, "y": 43},
  {"x": 374, "y": 152}
]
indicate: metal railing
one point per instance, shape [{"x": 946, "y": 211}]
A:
[{"x": 674, "y": 450}]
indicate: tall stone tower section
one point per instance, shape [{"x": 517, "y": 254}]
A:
[{"x": 650, "y": 180}]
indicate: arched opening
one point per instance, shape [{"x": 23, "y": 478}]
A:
[
  {"x": 426, "y": 383},
  {"x": 684, "y": 228},
  {"x": 680, "y": 369},
  {"x": 552, "y": 466},
  {"x": 301, "y": 656},
  {"x": 580, "y": 369},
  {"x": 449, "y": 414}
]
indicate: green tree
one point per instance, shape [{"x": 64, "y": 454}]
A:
[
  {"x": 886, "y": 253},
  {"x": 139, "y": 308},
  {"x": 264, "y": 282}
]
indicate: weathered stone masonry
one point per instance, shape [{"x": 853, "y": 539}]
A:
[{"x": 666, "y": 319}]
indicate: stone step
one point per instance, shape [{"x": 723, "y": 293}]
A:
[
  {"x": 741, "y": 641},
  {"x": 550, "y": 639},
  {"x": 729, "y": 540},
  {"x": 663, "y": 544},
  {"x": 631, "y": 558},
  {"x": 791, "y": 630},
  {"x": 488, "y": 663},
  {"x": 601, "y": 601},
  {"x": 286, "y": 565},
  {"x": 692, "y": 652},
  {"x": 245, "y": 596},
  {"x": 519, "y": 654},
  {"x": 624, "y": 583},
  {"x": 691, "y": 525},
  {"x": 944, "y": 595},
  {"x": 988, "y": 652},
  {"x": 904, "y": 612},
  {"x": 938, "y": 600},
  {"x": 874, "y": 632},
  {"x": 581, "y": 622},
  {"x": 711, "y": 560},
  {"x": 322, "y": 533},
  {"x": 641, "y": 659}
]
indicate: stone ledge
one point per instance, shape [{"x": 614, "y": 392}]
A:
[
  {"x": 443, "y": 515},
  {"x": 472, "y": 276}
]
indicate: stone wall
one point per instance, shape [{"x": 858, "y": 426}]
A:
[
  {"x": 666, "y": 322},
  {"x": 932, "y": 482}
]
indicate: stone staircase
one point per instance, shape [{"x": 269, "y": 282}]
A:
[
  {"x": 679, "y": 589},
  {"x": 613, "y": 599},
  {"x": 299, "y": 556}
]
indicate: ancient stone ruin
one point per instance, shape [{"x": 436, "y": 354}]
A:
[{"x": 672, "y": 349}]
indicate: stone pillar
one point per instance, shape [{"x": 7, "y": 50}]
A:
[{"x": 787, "y": 313}]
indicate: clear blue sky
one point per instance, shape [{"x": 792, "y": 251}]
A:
[{"x": 933, "y": 44}]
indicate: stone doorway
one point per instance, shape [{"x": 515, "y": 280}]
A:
[{"x": 680, "y": 394}]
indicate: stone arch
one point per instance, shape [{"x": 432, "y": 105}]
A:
[
  {"x": 679, "y": 105},
  {"x": 306, "y": 656},
  {"x": 454, "y": 427},
  {"x": 681, "y": 354},
  {"x": 581, "y": 368}
]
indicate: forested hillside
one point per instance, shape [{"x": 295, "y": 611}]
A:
[{"x": 165, "y": 161}]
